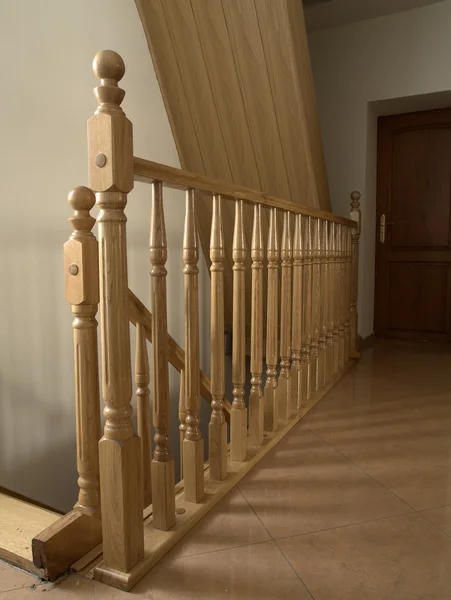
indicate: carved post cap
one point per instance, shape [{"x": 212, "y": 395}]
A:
[
  {"x": 81, "y": 199},
  {"x": 355, "y": 197},
  {"x": 107, "y": 64}
]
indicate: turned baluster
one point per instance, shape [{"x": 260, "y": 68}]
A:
[
  {"x": 335, "y": 262},
  {"x": 143, "y": 417},
  {"x": 110, "y": 150},
  {"x": 182, "y": 417},
  {"x": 316, "y": 299},
  {"x": 193, "y": 444},
  {"x": 284, "y": 385},
  {"x": 272, "y": 329},
  {"x": 163, "y": 478},
  {"x": 322, "y": 366},
  {"x": 341, "y": 296},
  {"x": 217, "y": 428},
  {"x": 307, "y": 313},
  {"x": 81, "y": 269},
  {"x": 238, "y": 414},
  {"x": 256, "y": 406},
  {"x": 355, "y": 215},
  {"x": 330, "y": 269},
  {"x": 348, "y": 284},
  {"x": 296, "y": 336}
]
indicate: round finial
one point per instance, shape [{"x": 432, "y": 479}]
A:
[
  {"x": 355, "y": 196},
  {"x": 107, "y": 64},
  {"x": 81, "y": 198}
]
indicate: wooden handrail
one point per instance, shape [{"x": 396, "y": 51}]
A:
[
  {"x": 147, "y": 170},
  {"x": 138, "y": 313}
]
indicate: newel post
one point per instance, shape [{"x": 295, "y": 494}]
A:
[
  {"x": 81, "y": 265},
  {"x": 110, "y": 155},
  {"x": 356, "y": 216}
]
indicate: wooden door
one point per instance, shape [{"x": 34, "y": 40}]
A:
[{"x": 413, "y": 262}]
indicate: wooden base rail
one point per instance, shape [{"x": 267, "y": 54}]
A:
[{"x": 311, "y": 338}]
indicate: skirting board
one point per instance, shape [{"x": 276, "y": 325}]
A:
[{"x": 158, "y": 543}]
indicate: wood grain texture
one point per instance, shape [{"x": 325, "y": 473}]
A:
[
  {"x": 324, "y": 296},
  {"x": 20, "y": 522},
  {"x": 143, "y": 414},
  {"x": 163, "y": 479},
  {"x": 316, "y": 300},
  {"x": 110, "y": 135},
  {"x": 284, "y": 383},
  {"x": 341, "y": 251},
  {"x": 81, "y": 269},
  {"x": 334, "y": 258},
  {"x": 238, "y": 415},
  {"x": 296, "y": 331},
  {"x": 182, "y": 417},
  {"x": 217, "y": 428},
  {"x": 256, "y": 404},
  {"x": 193, "y": 445},
  {"x": 306, "y": 386},
  {"x": 355, "y": 215},
  {"x": 272, "y": 326}
]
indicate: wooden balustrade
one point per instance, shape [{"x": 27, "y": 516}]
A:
[
  {"x": 271, "y": 414},
  {"x": 313, "y": 307},
  {"x": 82, "y": 292},
  {"x": 217, "y": 428},
  {"x": 284, "y": 383}
]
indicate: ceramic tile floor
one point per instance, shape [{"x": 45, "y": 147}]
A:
[{"x": 355, "y": 503}]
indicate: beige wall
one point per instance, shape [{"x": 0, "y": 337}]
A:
[
  {"x": 46, "y": 49},
  {"x": 392, "y": 64}
]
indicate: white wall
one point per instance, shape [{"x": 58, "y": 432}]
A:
[
  {"x": 394, "y": 57},
  {"x": 46, "y": 50}
]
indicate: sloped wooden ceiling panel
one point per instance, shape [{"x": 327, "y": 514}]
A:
[{"x": 235, "y": 78}]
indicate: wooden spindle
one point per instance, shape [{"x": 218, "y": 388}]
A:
[
  {"x": 193, "y": 444},
  {"x": 163, "y": 477},
  {"x": 256, "y": 406},
  {"x": 143, "y": 416},
  {"x": 110, "y": 153},
  {"x": 284, "y": 385},
  {"x": 272, "y": 329},
  {"x": 330, "y": 300},
  {"x": 307, "y": 313},
  {"x": 341, "y": 293},
  {"x": 355, "y": 215},
  {"x": 182, "y": 417},
  {"x": 336, "y": 284},
  {"x": 316, "y": 299},
  {"x": 81, "y": 270},
  {"x": 217, "y": 428},
  {"x": 296, "y": 336},
  {"x": 322, "y": 363},
  {"x": 348, "y": 285},
  {"x": 238, "y": 414}
]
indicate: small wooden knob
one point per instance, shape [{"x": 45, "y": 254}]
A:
[
  {"x": 107, "y": 64},
  {"x": 81, "y": 198},
  {"x": 355, "y": 196}
]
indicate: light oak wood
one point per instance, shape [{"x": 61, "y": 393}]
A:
[
  {"x": 147, "y": 170},
  {"x": 143, "y": 415},
  {"x": 217, "y": 428},
  {"x": 163, "y": 479},
  {"x": 306, "y": 387},
  {"x": 158, "y": 543},
  {"x": 138, "y": 313},
  {"x": 322, "y": 363},
  {"x": 110, "y": 139},
  {"x": 348, "y": 285},
  {"x": 193, "y": 444},
  {"x": 81, "y": 270},
  {"x": 256, "y": 403},
  {"x": 284, "y": 383},
  {"x": 355, "y": 215},
  {"x": 336, "y": 295},
  {"x": 20, "y": 522},
  {"x": 182, "y": 417},
  {"x": 330, "y": 302},
  {"x": 238, "y": 416},
  {"x": 341, "y": 252},
  {"x": 65, "y": 541},
  {"x": 316, "y": 300},
  {"x": 272, "y": 326},
  {"x": 296, "y": 332}
]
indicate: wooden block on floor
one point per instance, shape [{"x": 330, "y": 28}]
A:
[
  {"x": 217, "y": 438},
  {"x": 58, "y": 546},
  {"x": 256, "y": 418},
  {"x": 193, "y": 469},
  {"x": 163, "y": 494},
  {"x": 238, "y": 434},
  {"x": 270, "y": 400}
]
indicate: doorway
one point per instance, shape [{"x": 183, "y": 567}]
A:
[{"x": 413, "y": 213}]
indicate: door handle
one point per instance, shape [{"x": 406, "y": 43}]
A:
[{"x": 382, "y": 228}]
